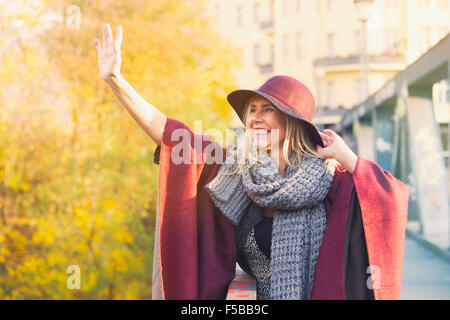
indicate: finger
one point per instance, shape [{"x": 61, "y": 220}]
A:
[
  {"x": 325, "y": 142},
  {"x": 119, "y": 35},
  {"x": 97, "y": 45},
  {"x": 104, "y": 37},
  {"x": 109, "y": 35},
  {"x": 329, "y": 132},
  {"x": 324, "y": 136}
]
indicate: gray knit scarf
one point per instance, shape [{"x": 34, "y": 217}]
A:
[{"x": 299, "y": 221}]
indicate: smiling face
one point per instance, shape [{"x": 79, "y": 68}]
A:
[{"x": 265, "y": 121}]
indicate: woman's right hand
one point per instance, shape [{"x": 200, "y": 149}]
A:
[{"x": 109, "y": 57}]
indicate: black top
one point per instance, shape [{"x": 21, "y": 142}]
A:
[
  {"x": 263, "y": 235},
  {"x": 355, "y": 254}
]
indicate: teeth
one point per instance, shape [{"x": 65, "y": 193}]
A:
[{"x": 261, "y": 131}]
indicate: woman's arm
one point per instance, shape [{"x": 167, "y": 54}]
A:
[{"x": 147, "y": 116}]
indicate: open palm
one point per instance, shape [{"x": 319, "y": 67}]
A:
[{"x": 108, "y": 52}]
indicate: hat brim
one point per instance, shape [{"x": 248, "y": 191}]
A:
[{"x": 238, "y": 99}]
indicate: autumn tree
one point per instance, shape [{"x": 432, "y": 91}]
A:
[{"x": 77, "y": 181}]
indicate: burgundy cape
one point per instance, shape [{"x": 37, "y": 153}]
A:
[{"x": 195, "y": 253}]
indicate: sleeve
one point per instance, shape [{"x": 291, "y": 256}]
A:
[
  {"x": 183, "y": 158},
  {"x": 384, "y": 208},
  {"x": 377, "y": 190},
  {"x": 187, "y": 148}
]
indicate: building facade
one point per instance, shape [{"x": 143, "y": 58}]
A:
[{"x": 319, "y": 42}]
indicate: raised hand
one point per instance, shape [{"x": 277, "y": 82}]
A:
[
  {"x": 336, "y": 148},
  {"x": 108, "y": 52}
]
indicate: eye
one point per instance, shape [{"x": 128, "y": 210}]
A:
[{"x": 269, "y": 109}]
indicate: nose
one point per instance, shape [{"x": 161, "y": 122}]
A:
[{"x": 256, "y": 116}]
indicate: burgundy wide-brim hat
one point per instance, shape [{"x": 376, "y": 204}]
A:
[{"x": 288, "y": 95}]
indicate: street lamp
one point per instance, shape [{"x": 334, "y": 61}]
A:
[
  {"x": 364, "y": 10},
  {"x": 320, "y": 73}
]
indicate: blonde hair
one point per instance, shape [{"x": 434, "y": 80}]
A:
[{"x": 297, "y": 140}]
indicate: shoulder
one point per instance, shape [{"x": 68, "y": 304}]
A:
[
  {"x": 340, "y": 173},
  {"x": 339, "y": 169},
  {"x": 342, "y": 181}
]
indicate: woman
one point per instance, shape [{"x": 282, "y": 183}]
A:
[{"x": 328, "y": 225}]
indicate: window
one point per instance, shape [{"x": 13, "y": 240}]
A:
[
  {"x": 300, "y": 6},
  {"x": 217, "y": 11},
  {"x": 285, "y": 8},
  {"x": 390, "y": 3},
  {"x": 272, "y": 9},
  {"x": 330, "y": 5},
  {"x": 257, "y": 54},
  {"x": 299, "y": 45},
  {"x": 331, "y": 44},
  {"x": 425, "y": 3},
  {"x": 391, "y": 40},
  {"x": 286, "y": 46},
  {"x": 272, "y": 54},
  {"x": 257, "y": 12},
  {"x": 331, "y": 95},
  {"x": 239, "y": 16}
]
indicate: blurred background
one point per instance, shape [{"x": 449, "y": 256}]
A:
[{"x": 78, "y": 186}]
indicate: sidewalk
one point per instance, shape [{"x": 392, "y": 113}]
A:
[
  {"x": 426, "y": 266},
  {"x": 437, "y": 244},
  {"x": 426, "y": 275}
]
